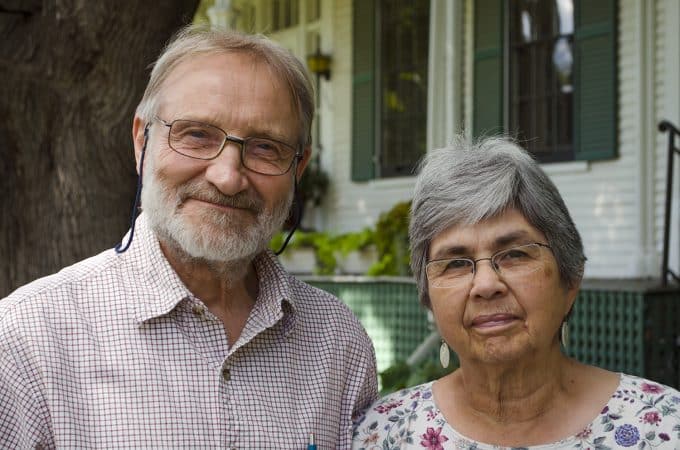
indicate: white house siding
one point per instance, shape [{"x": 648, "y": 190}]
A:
[
  {"x": 616, "y": 204},
  {"x": 667, "y": 95},
  {"x": 352, "y": 206},
  {"x": 610, "y": 200}
]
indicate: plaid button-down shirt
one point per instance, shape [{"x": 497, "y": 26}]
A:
[{"x": 115, "y": 352}]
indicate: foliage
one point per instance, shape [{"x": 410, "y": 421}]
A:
[
  {"x": 201, "y": 15},
  {"x": 400, "y": 375},
  {"x": 326, "y": 246},
  {"x": 391, "y": 242},
  {"x": 314, "y": 184},
  {"x": 390, "y": 239}
]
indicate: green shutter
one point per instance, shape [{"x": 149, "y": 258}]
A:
[
  {"x": 363, "y": 89},
  {"x": 595, "y": 109},
  {"x": 487, "y": 116}
]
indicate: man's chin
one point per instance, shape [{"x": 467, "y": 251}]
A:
[{"x": 218, "y": 243}]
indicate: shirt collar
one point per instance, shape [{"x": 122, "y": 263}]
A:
[
  {"x": 160, "y": 289},
  {"x": 275, "y": 291}
]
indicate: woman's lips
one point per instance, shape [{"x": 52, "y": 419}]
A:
[{"x": 492, "y": 320}]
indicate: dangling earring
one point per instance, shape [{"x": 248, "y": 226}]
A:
[
  {"x": 444, "y": 354},
  {"x": 564, "y": 334}
]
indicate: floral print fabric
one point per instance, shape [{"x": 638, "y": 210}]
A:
[{"x": 641, "y": 414}]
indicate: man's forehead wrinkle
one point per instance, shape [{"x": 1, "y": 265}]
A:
[{"x": 255, "y": 88}]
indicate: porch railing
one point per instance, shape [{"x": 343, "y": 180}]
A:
[{"x": 673, "y": 132}]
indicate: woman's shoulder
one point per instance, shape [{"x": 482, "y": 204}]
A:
[
  {"x": 642, "y": 393},
  {"x": 411, "y": 398},
  {"x": 396, "y": 416},
  {"x": 642, "y": 410},
  {"x": 644, "y": 385}
]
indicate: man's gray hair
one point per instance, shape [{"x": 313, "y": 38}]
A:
[
  {"x": 464, "y": 184},
  {"x": 200, "y": 40}
]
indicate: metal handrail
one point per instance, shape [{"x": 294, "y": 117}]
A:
[{"x": 666, "y": 126}]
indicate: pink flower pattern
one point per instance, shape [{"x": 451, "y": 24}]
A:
[
  {"x": 433, "y": 439},
  {"x": 651, "y": 417},
  {"x": 649, "y": 388}
]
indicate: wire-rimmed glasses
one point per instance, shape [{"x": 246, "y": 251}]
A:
[
  {"x": 200, "y": 140},
  {"x": 508, "y": 263}
]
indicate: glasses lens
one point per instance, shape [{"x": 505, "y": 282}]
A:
[
  {"x": 267, "y": 156},
  {"x": 518, "y": 260},
  {"x": 449, "y": 272},
  {"x": 195, "y": 139}
]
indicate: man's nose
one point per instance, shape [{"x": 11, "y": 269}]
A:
[{"x": 226, "y": 172}]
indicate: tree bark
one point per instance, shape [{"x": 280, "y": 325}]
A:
[{"x": 71, "y": 75}]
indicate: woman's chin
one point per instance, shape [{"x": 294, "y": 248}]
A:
[{"x": 502, "y": 349}]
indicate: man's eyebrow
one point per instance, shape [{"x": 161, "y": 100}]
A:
[{"x": 214, "y": 120}]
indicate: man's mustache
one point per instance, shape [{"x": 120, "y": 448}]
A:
[{"x": 210, "y": 194}]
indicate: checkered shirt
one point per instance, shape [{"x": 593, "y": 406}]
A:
[{"x": 115, "y": 352}]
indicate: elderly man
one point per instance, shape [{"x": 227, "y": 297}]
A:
[{"x": 194, "y": 336}]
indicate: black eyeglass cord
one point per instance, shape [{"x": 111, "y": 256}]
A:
[
  {"x": 133, "y": 215},
  {"x": 297, "y": 212}
]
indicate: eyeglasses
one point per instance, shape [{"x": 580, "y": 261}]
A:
[
  {"x": 508, "y": 263},
  {"x": 200, "y": 140}
]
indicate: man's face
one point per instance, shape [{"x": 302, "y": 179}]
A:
[{"x": 218, "y": 210}]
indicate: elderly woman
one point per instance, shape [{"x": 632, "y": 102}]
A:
[{"x": 499, "y": 262}]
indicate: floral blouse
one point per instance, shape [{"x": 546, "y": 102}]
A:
[{"x": 641, "y": 414}]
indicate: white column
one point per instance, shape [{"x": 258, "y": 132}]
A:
[
  {"x": 646, "y": 262},
  {"x": 220, "y": 14},
  {"x": 445, "y": 62},
  {"x": 671, "y": 112}
]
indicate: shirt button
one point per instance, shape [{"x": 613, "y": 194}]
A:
[
  {"x": 226, "y": 374},
  {"x": 198, "y": 310}
]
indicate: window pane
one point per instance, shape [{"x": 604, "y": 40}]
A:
[
  {"x": 404, "y": 29},
  {"x": 540, "y": 54},
  {"x": 313, "y": 10}
]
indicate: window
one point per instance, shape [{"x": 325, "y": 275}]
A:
[
  {"x": 284, "y": 14},
  {"x": 545, "y": 71},
  {"x": 389, "y": 87},
  {"x": 541, "y": 61}
]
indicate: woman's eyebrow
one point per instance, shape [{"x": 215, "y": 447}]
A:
[
  {"x": 511, "y": 238},
  {"x": 450, "y": 251}
]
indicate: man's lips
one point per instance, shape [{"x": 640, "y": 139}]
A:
[
  {"x": 492, "y": 320},
  {"x": 225, "y": 206}
]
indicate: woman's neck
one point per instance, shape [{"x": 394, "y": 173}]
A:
[{"x": 516, "y": 393}]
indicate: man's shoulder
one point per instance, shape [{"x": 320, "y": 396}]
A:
[
  {"x": 312, "y": 298},
  {"x": 67, "y": 285}
]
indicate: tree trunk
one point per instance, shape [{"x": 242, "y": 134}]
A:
[{"x": 71, "y": 75}]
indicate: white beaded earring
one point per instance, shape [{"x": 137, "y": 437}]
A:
[
  {"x": 444, "y": 354},
  {"x": 564, "y": 334}
]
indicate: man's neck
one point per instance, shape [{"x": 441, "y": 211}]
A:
[{"x": 228, "y": 289}]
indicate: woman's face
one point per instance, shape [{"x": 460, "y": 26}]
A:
[{"x": 491, "y": 318}]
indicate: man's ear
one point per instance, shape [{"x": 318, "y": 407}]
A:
[
  {"x": 302, "y": 163},
  {"x": 138, "y": 126}
]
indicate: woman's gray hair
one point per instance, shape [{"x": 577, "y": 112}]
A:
[
  {"x": 194, "y": 40},
  {"x": 466, "y": 183}
]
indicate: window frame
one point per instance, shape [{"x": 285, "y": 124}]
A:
[{"x": 595, "y": 108}]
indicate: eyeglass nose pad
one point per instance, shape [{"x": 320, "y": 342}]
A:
[{"x": 494, "y": 267}]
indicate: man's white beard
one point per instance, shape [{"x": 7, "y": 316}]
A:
[{"x": 218, "y": 236}]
